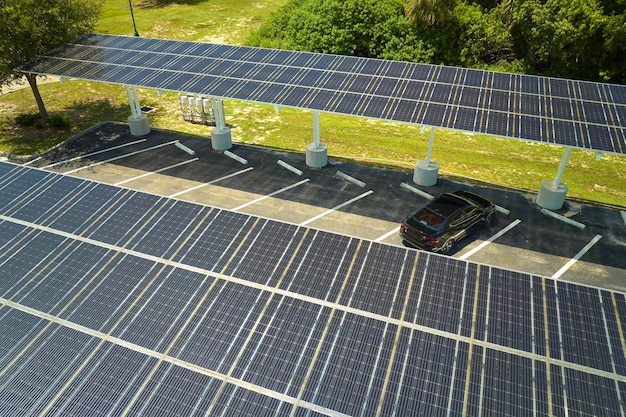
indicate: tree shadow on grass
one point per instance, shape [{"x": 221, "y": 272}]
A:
[
  {"x": 153, "y": 4},
  {"x": 40, "y": 137}
]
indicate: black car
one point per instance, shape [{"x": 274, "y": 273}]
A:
[{"x": 446, "y": 219}]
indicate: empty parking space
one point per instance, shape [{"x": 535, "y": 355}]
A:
[{"x": 525, "y": 240}]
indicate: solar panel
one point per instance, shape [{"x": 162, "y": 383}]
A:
[
  {"x": 218, "y": 70},
  {"x": 115, "y": 301}
]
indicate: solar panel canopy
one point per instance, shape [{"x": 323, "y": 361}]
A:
[
  {"x": 573, "y": 113},
  {"x": 118, "y": 302}
]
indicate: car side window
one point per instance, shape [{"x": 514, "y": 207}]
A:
[{"x": 463, "y": 216}]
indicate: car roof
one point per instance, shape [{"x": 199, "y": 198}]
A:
[{"x": 447, "y": 203}]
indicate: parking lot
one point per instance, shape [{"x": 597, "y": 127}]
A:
[{"x": 251, "y": 180}]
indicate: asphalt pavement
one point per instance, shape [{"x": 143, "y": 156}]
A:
[{"x": 371, "y": 207}]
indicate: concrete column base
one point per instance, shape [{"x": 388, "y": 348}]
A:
[
  {"x": 316, "y": 157},
  {"x": 139, "y": 125},
  {"x": 221, "y": 139},
  {"x": 425, "y": 173},
  {"x": 551, "y": 198}
]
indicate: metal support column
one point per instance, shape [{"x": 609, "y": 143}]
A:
[
  {"x": 316, "y": 152},
  {"x": 316, "y": 129},
  {"x": 221, "y": 139},
  {"x": 426, "y": 170},
  {"x": 137, "y": 121},
  {"x": 552, "y": 192},
  {"x": 562, "y": 165}
]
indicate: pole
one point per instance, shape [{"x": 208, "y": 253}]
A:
[
  {"x": 430, "y": 145},
  {"x": 132, "y": 15},
  {"x": 561, "y": 170},
  {"x": 316, "y": 128}
]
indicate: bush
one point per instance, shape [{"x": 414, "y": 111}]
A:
[
  {"x": 27, "y": 119},
  {"x": 59, "y": 121}
]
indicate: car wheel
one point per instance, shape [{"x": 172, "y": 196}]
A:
[{"x": 447, "y": 246}]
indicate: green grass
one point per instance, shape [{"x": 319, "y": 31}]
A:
[
  {"x": 219, "y": 21},
  {"x": 502, "y": 161}
]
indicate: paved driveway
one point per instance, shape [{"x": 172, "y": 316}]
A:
[{"x": 525, "y": 239}]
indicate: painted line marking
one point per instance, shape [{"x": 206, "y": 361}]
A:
[
  {"x": 94, "y": 153},
  {"x": 31, "y": 161},
  {"x": 271, "y": 194},
  {"x": 491, "y": 239},
  {"x": 386, "y": 235},
  {"x": 210, "y": 182},
  {"x": 297, "y": 296},
  {"x": 579, "y": 255},
  {"x": 156, "y": 172},
  {"x": 623, "y": 213},
  {"x": 319, "y": 216},
  {"x": 120, "y": 157}
]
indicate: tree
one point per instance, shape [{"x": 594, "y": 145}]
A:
[
  {"x": 430, "y": 12},
  {"x": 32, "y": 27},
  {"x": 560, "y": 37}
]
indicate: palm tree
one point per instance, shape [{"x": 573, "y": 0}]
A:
[{"x": 430, "y": 12}]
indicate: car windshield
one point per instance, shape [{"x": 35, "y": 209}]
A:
[{"x": 426, "y": 217}]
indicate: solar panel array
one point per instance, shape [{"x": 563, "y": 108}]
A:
[
  {"x": 550, "y": 110},
  {"x": 117, "y": 302}
]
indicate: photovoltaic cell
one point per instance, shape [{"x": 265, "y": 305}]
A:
[
  {"x": 46, "y": 367},
  {"x": 218, "y": 74},
  {"x": 277, "y": 313}
]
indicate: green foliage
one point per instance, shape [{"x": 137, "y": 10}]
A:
[
  {"x": 484, "y": 39},
  {"x": 560, "y": 37},
  {"x": 367, "y": 28},
  {"x": 27, "y": 119},
  {"x": 59, "y": 121},
  {"x": 430, "y": 12},
  {"x": 31, "y": 27},
  {"x": 581, "y": 39}
]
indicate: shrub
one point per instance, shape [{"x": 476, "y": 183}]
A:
[
  {"x": 27, "y": 119},
  {"x": 59, "y": 121}
]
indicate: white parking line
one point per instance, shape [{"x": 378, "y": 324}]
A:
[
  {"x": 623, "y": 216},
  {"x": 210, "y": 182},
  {"x": 95, "y": 153},
  {"x": 31, "y": 161},
  {"x": 491, "y": 239},
  {"x": 120, "y": 157},
  {"x": 358, "y": 197},
  {"x": 156, "y": 172},
  {"x": 386, "y": 235},
  {"x": 579, "y": 255},
  {"x": 271, "y": 194}
]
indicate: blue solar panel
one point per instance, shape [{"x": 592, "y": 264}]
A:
[
  {"x": 151, "y": 62},
  {"x": 46, "y": 365},
  {"x": 255, "y": 317}
]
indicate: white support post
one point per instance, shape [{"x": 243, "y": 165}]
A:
[
  {"x": 131, "y": 100},
  {"x": 552, "y": 192},
  {"x": 137, "y": 121},
  {"x": 430, "y": 145},
  {"x": 316, "y": 152},
  {"x": 316, "y": 129},
  {"x": 218, "y": 111},
  {"x": 221, "y": 139},
  {"x": 426, "y": 171},
  {"x": 136, "y": 101},
  {"x": 561, "y": 170}
]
